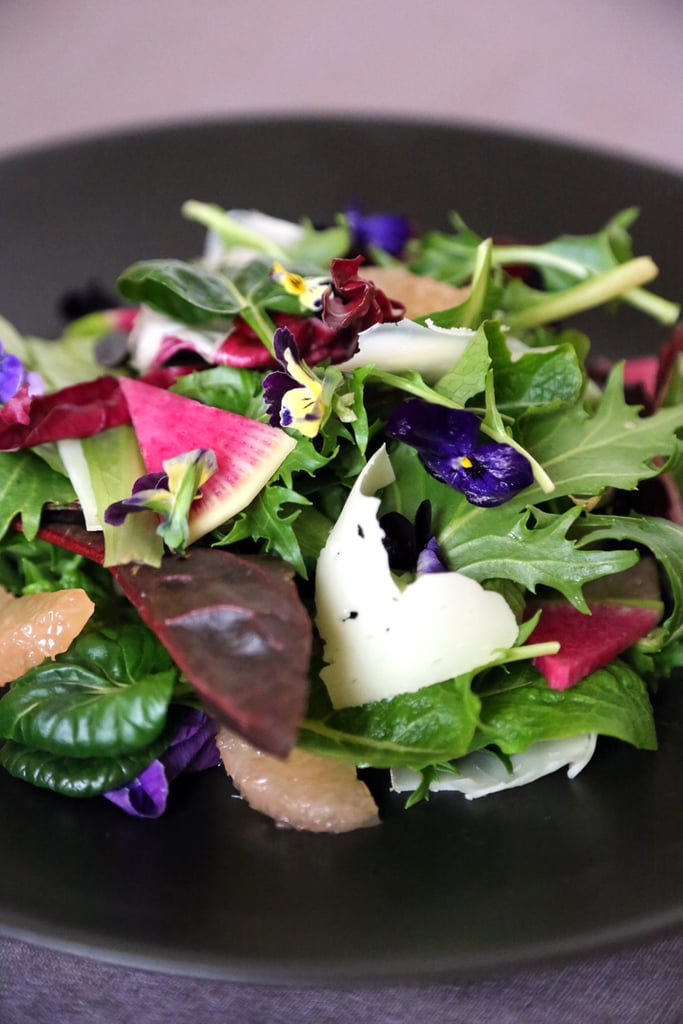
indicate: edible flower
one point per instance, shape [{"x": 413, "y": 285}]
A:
[
  {"x": 170, "y": 494},
  {"x": 353, "y": 304},
  {"x": 308, "y": 290},
  {"x": 387, "y": 231},
  {"x": 447, "y": 442},
  {"x": 295, "y": 396},
  {"x": 410, "y": 546},
  {"x": 192, "y": 749},
  {"x": 13, "y": 376}
]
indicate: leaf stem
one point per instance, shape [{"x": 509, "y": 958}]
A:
[{"x": 593, "y": 291}]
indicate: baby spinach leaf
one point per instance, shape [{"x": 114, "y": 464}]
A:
[
  {"x": 535, "y": 381},
  {"x": 104, "y": 697},
  {"x": 78, "y": 776},
  {"x": 184, "y": 291},
  {"x": 225, "y": 387}
]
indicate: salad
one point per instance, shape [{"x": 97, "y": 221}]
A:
[{"x": 336, "y": 498}]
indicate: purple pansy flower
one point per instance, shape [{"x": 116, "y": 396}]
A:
[
  {"x": 13, "y": 376},
  {"x": 447, "y": 441},
  {"x": 387, "y": 231},
  {"x": 192, "y": 749},
  {"x": 411, "y": 547}
]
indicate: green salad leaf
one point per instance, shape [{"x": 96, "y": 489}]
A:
[{"x": 107, "y": 696}]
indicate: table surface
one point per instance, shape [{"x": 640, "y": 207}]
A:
[{"x": 603, "y": 74}]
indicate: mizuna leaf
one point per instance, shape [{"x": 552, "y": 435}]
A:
[
  {"x": 615, "y": 447},
  {"x": 27, "y": 484}
]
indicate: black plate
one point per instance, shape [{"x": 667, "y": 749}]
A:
[{"x": 451, "y": 887}]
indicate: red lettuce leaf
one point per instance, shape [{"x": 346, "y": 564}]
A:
[
  {"x": 234, "y": 625},
  {"x": 77, "y": 411}
]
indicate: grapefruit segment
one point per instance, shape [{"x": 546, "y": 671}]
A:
[
  {"x": 304, "y": 791},
  {"x": 588, "y": 642},
  {"x": 38, "y": 626},
  {"x": 248, "y": 452}
]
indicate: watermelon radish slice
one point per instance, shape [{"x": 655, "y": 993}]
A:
[
  {"x": 588, "y": 642},
  {"x": 248, "y": 452}
]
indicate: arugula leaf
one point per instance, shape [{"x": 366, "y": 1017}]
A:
[
  {"x": 663, "y": 538},
  {"x": 27, "y": 484},
  {"x": 36, "y": 566},
  {"x": 108, "y": 695},
  {"x": 519, "y": 708},
  {"x": 412, "y": 730},
  {"x": 315, "y": 246},
  {"x": 269, "y": 518},
  {"x": 614, "y": 447},
  {"x": 536, "y": 555},
  {"x": 561, "y": 262},
  {"x": 505, "y": 542}
]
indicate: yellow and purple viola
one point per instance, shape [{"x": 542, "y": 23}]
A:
[
  {"x": 296, "y": 396},
  {"x": 170, "y": 494}
]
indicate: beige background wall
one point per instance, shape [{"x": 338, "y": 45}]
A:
[{"x": 601, "y": 72}]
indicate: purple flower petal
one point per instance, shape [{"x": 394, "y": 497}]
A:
[
  {"x": 430, "y": 558},
  {"x": 144, "y": 796},
  {"x": 447, "y": 444},
  {"x": 275, "y": 387},
  {"x": 434, "y": 428},
  {"x": 151, "y": 482},
  {"x": 192, "y": 749},
  {"x": 11, "y": 376},
  {"x": 386, "y": 231}
]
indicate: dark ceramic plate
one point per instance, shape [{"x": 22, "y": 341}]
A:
[{"x": 450, "y": 888}]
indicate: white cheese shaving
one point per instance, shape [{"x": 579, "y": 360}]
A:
[
  {"x": 382, "y": 639},
  {"x": 283, "y": 232},
  {"x": 431, "y": 350},
  {"x": 482, "y": 773}
]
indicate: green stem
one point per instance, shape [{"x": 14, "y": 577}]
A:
[
  {"x": 257, "y": 318},
  {"x": 660, "y": 309},
  {"x": 231, "y": 231},
  {"x": 593, "y": 291}
]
